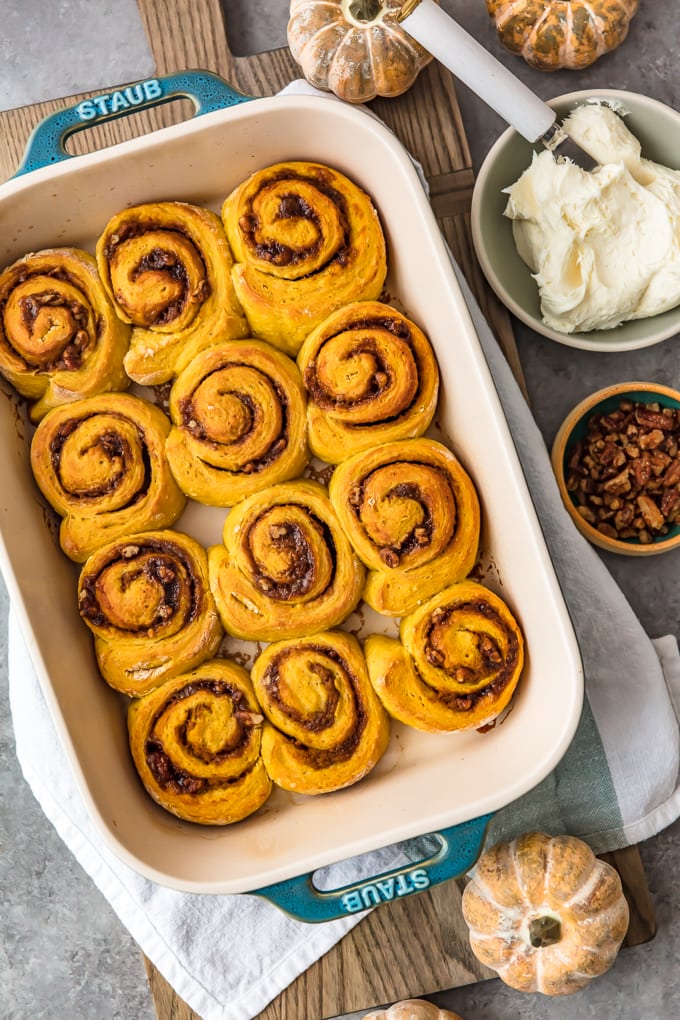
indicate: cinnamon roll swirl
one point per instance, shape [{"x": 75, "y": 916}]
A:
[
  {"x": 101, "y": 464},
  {"x": 195, "y": 742},
  {"x": 147, "y": 601},
  {"x": 167, "y": 268},
  {"x": 326, "y": 728},
  {"x": 286, "y": 569},
  {"x": 306, "y": 240},
  {"x": 372, "y": 377},
  {"x": 239, "y": 422},
  {"x": 412, "y": 514},
  {"x": 456, "y": 665},
  {"x": 60, "y": 338}
]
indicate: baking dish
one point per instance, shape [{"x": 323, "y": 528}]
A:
[{"x": 442, "y": 784}]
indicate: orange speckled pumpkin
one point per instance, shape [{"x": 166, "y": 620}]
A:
[
  {"x": 413, "y": 1009},
  {"x": 545, "y": 913},
  {"x": 354, "y": 48},
  {"x": 552, "y": 34}
]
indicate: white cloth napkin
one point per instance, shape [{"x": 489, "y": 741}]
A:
[{"x": 229, "y": 956}]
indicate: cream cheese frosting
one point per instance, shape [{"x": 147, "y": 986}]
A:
[{"x": 603, "y": 246}]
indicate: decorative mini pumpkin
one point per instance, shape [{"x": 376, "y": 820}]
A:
[
  {"x": 413, "y": 1009},
  {"x": 551, "y": 34},
  {"x": 354, "y": 48},
  {"x": 545, "y": 913}
]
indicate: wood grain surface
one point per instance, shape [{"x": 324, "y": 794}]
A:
[{"x": 418, "y": 945}]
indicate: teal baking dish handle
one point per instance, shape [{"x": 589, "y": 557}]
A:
[
  {"x": 206, "y": 90},
  {"x": 459, "y": 849}
]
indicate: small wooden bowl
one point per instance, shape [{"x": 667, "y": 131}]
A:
[{"x": 573, "y": 428}]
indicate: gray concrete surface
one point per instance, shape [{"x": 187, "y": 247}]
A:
[
  {"x": 63, "y": 953},
  {"x": 44, "y": 58}
]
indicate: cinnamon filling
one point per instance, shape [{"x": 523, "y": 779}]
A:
[
  {"x": 159, "y": 569},
  {"x": 294, "y": 206},
  {"x": 199, "y": 429},
  {"x": 113, "y": 446},
  {"x": 292, "y": 540},
  {"x": 72, "y": 354},
  {"x": 502, "y": 666},
  {"x": 381, "y": 379},
  {"x": 421, "y": 534},
  {"x": 316, "y": 722},
  {"x": 168, "y": 775},
  {"x": 162, "y": 260}
]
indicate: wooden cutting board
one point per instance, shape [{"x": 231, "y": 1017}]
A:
[{"x": 419, "y": 945}]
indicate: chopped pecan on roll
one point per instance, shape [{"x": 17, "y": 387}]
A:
[
  {"x": 195, "y": 742},
  {"x": 326, "y": 728},
  {"x": 412, "y": 514},
  {"x": 147, "y": 600},
  {"x": 167, "y": 268},
  {"x": 306, "y": 240},
  {"x": 101, "y": 464},
  {"x": 286, "y": 569},
  {"x": 372, "y": 377},
  {"x": 60, "y": 337},
  {"x": 456, "y": 665},
  {"x": 239, "y": 422}
]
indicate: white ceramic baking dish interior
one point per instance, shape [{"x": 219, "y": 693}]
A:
[{"x": 424, "y": 783}]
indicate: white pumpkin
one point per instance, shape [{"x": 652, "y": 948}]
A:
[{"x": 354, "y": 48}]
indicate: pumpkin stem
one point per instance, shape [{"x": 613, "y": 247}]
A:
[
  {"x": 365, "y": 10},
  {"x": 545, "y": 931}
]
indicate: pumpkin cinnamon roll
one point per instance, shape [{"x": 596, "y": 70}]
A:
[
  {"x": 147, "y": 600},
  {"x": 101, "y": 464},
  {"x": 372, "y": 377},
  {"x": 412, "y": 515},
  {"x": 167, "y": 268},
  {"x": 457, "y": 664},
  {"x": 195, "y": 742},
  {"x": 306, "y": 240},
  {"x": 239, "y": 414},
  {"x": 326, "y": 728},
  {"x": 60, "y": 337},
  {"x": 286, "y": 568}
]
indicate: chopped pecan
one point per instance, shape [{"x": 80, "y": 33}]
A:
[
  {"x": 624, "y": 474},
  {"x": 641, "y": 470},
  {"x": 669, "y": 501},
  {"x": 652, "y": 440},
  {"x": 619, "y": 483},
  {"x": 390, "y": 557},
  {"x": 651, "y": 514},
  {"x": 651, "y": 419},
  {"x": 672, "y": 474}
]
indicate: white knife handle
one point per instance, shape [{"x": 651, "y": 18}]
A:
[{"x": 457, "y": 50}]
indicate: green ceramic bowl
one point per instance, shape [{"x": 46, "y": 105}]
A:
[
  {"x": 658, "y": 129},
  {"x": 574, "y": 427}
]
